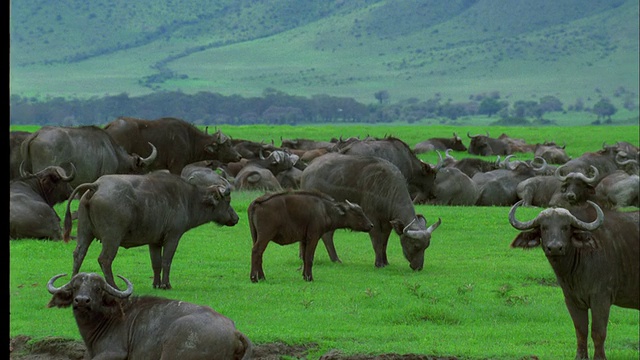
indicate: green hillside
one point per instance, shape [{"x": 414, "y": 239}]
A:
[{"x": 523, "y": 49}]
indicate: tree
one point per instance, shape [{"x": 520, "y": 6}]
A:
[
  {"x": 604, "y": 108},
  {"x": 550, "y": 103},
  {"x": 490, "y": 106},
  {"x": 382, "y": 96}
]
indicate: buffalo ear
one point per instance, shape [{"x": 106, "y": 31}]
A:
[
  {"x": 584, "y": 240},
  {"x": 527, "y": 239},
  {"x": 61, "y": 299},
  {"x": 398, "y": 226}
]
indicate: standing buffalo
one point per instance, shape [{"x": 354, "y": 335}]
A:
[
  {"x": 179, "y": 143},
  {"x": 379, "y": 187},
  {"x": 432, "y": 144},
  {"x": 31, "y": 201},
  {"x": 418, "y": 175},
  {"x": 298, "y": 216},
  {"x": 115, "y": 325},
  {"x": 596, "y": 263},
  {"x": 134, "y": 210},
  {"x": 93, "y": 152},
  {"x": 485, "y": 146}
]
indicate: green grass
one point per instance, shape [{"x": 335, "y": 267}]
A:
[{"x": 475, "y": 298}]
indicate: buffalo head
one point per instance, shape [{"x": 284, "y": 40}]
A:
[
  {"x": 556, "y": 230},
  {"x": 88, "y": 293},
  {"x": 415, "y": 238}
]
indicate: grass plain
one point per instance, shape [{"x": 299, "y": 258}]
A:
[{"x": 476, "y": 298}]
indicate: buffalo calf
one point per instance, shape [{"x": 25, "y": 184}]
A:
[
  {"x": 116, "y": 325},
  {"x": 298, "y": 216}
]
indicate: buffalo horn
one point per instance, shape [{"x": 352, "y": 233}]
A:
[
  {"x": 518, "y": 224},
  {"x": 23, "y": 172},
  {"x": 149, "y": 159},
  {"x": 543, "y": 165},
  {"x": 579, "y": 175},
  {"x": 54, "y": 290},
  {"x": 416, "y": 233},
  {"x": 434, "y": 226},
  {"x": 119, "y": 293},
  {"x": 592, "y": 225},
  {"x": 63, "y": 174}
]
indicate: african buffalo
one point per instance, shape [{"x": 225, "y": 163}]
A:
[
  {"x": 539, "y": 190},
  {"x": 552, "y": 153},
  {"x": 418, "y": 175},
  {"x": 379, "y": 188},
  {"x": 15, "y": 157},
  {"x": 93, "y": 152},
  {"x": 115, "y": 325},
  {"x": 596, "y": 263},
  {"x": 261, "y": 174},
  {"x": 617, "y": 190},
  {"x": 155, "y": 209},
  {"x": 485, "y": 146},
  {"x": 471, "y": 166},
  {"x": 298, "y": 216},
  {"x": 179, "y": 143},
  {"x": 576, "y": 188},
  {"x": 432, "y": 144},
  {"x": 31, "y": 201},
  {"x": 453, "y": 187},
  {"x": 202, "y": 173},
  {"x": 499, "y": 187}
]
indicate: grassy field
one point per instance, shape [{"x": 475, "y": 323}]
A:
[{"x": 475, "y": 298}]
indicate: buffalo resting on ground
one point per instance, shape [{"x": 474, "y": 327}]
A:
[
  {"x": 115, "y": 325},
  {"x": 298, "y": 216},
  {"x": 155, "y": 209},
  {"x": 31, "y": 201},
  {"x": 595, "y": 256}
]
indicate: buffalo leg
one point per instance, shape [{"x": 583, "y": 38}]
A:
[
  {"x": 327, "y": 239},
  {"x": 309, "y": 252},
  {"x": 105, "y": 259},
  {"x": 599, "y": 319},
  {"x": 580, "y": 319},
  {"x": 379, "y": 239},
  {"x": 168, "y": 251},
  {"x": 155, "y": 251},
  {"x": 259, "y": 246}
]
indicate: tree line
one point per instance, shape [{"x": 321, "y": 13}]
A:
[{"x": 278, "y": 108}]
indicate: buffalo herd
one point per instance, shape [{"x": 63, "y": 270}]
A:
[{"x": 146, "y": 182}]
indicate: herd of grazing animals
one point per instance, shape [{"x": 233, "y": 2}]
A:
[{"x": 368, "y": 185}]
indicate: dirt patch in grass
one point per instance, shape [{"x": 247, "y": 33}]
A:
[{"x": 56, "y": 348}]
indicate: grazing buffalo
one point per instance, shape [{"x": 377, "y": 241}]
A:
[
  {"x": 486, "y": 146},
  {"x": 115, "y": 325},
  {"x": 298, "y": 216},
  {"x": 596, "y": 263},
  {"x": 418, "y": 175},
  {"x": 15, "y": 157},
  {"x": 179, "y": 143},
  {"x": 155, "y": 209},
  {"x": 432, "y": 144},
  {"x": 31, "y": 201},
  {"x": 380, "y": 189},
  {"x": 93, "y": 152}
]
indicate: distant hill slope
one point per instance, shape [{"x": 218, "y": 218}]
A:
[{"x": 411, "y": 48}]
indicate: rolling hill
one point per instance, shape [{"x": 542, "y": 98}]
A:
[{"x": 412, "y": 49}]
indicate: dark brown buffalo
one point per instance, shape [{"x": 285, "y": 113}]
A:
[
  {"x": 89, "y": 148},
  {"x": 15, "y": 157},
  {"x": 595, "y": 256},
  {"x": 305, "y": 144},
  {"x": 31, "y": 201},
  {"x": 298, "y": 216},
  {"x": 603, "y": 160},
  {"x": 155, "y": 209},
  {"x": 179, "y": 143},
  {"x": 516, "y": 145},
  {"x": 379, "y": 187},
  {"x": 115, "y": 325},
  {"x": 471, "y": 166},
  {"x": 552, "y": 153},
  {"x": 418, "y": 174},
  {"x": 432, "y": 144},
  {"x": 251, "y": 149},
  {"x": 486, "y": 146},
  {"x": 576, "y": 187}
]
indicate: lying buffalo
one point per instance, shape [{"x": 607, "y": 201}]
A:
[
  {"x": 298, "y": 216},
  {"x": 379, "y": 187},
  {"x": 135, "y": 210},
  {"x": 116, "y": 325}
]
